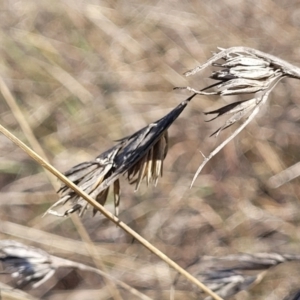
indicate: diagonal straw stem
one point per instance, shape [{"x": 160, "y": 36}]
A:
[{"x": 106, "y": 213}]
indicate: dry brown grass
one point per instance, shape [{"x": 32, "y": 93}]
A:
[{"x": 87, "y": 73}]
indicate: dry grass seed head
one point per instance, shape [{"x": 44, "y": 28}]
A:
[
  {"x": 140, "y": 156},
  {"x": 230, "y": 274},
  {"x": 28, "y": 265},
  {"x": 243, "y": 71}
]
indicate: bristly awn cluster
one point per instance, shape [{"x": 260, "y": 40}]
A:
[{"x": 241, "y": 71}]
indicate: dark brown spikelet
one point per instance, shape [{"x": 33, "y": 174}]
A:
[
  {"x": 88, "y": 176},
  {"x": 150, "y": 166},
  {"x": 139, "y": 156}
]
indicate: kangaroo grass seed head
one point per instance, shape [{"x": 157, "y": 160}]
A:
[
  {"x": 230, "y": 274},
  {"x": 138, "y": 157},
  {"x": 241, "y": 71},
  {"x": 28, "y": 265}
]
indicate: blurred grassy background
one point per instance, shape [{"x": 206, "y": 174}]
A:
[{"x": 86, "y": 73}]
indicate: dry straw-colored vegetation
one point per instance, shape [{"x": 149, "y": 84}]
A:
[{"x": 77, "y": 77}]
